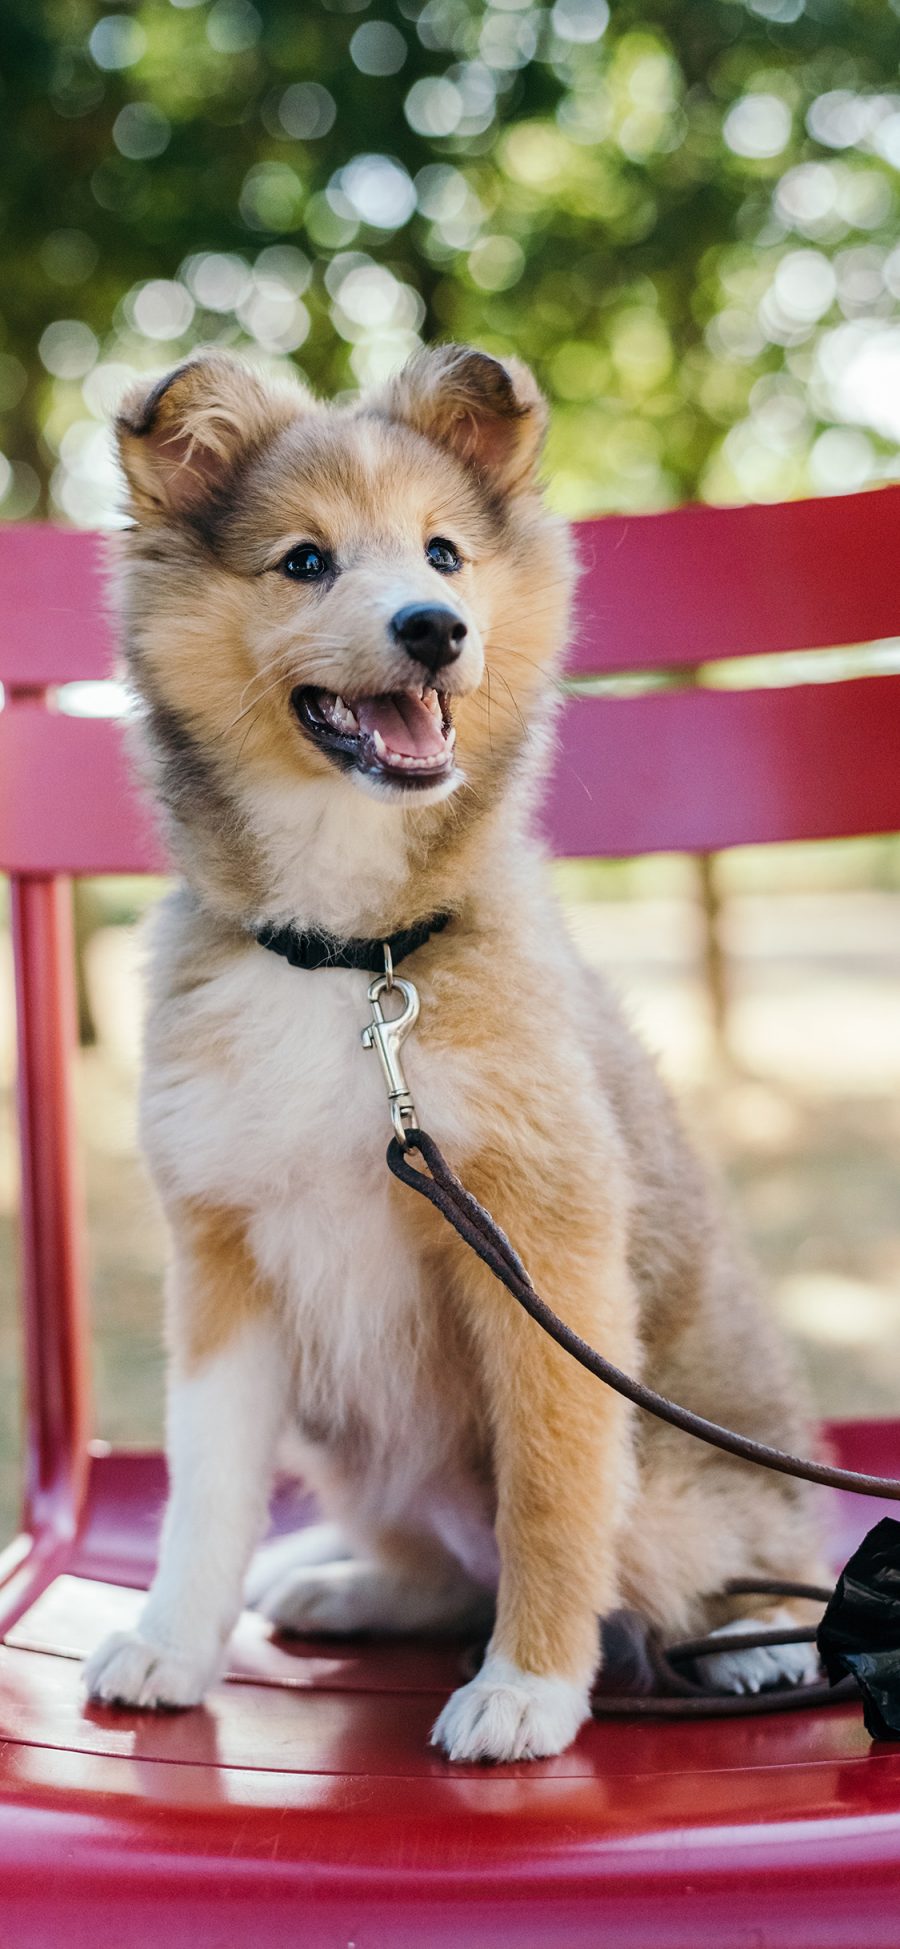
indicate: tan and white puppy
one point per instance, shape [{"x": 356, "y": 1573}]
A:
[{"x": 344, "y": 625}]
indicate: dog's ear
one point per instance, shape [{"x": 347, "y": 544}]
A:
[
  {"x": 179, "y": 438},
  {"x": 492, "y": 416}
]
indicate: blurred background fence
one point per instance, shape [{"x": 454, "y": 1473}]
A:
[{"x": 685, "y": 216}]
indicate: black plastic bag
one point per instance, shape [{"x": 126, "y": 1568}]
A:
[{"x": 860, "y": 1631}]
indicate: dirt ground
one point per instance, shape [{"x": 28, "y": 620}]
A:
[{"x": 803, "y": 1116}]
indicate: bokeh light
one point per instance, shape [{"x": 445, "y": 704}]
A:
[
  {"x": 758, "y": 126},
  {"x": 306, "y": 111},
  {"x": 378, "y": 48},
  {"x": 160, "y": 309},
  {"x": 68, "y": 348},
  {"x": 117, "y": 41},
  {"x": 378, "y": 190},
  {"x": 580, "y": 20},
  {"x": 141, "y": 130}
]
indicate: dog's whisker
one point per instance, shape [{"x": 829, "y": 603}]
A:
[
  {"x": 514, "y": 701},
  {"x": 487, "y": 672},
  {"x": 251, "y": 726},
  {"x": 280, "y": 675},
  {"x": 548, "y": 676},
  {"x": 537, "y": 610},
  {"x": 256, "y": 701}
]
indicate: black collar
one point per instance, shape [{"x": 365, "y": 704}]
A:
[{"x": 315, "y": 950}]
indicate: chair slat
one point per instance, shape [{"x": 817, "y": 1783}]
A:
[
  {"x": 67, "y": 802},
  {"x": 53, "y": 622},
  {"x": 682, "y": 587},
  {"x": 698, "y": 583},
  {"x": 697, "y": 770},
  {"x": 691, "y": 770}
]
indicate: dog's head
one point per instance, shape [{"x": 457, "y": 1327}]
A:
[{"x": 340, "y": 598}]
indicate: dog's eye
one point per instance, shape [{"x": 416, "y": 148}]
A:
[
  {"x": 441, "y": 554},
  {"x": 306, "y": 563}
]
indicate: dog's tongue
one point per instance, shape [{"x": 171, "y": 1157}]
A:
[{"x": 405, "y": 723}]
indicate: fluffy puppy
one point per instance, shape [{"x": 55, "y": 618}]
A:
[{"x": 344, "y": 626}]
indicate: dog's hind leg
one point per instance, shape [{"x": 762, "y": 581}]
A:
[
  {"x": 766, "y": 1666},
  {"x": 404, "y": 1584},
  {"x": 301, "y": 1550},
  {"x": 702, "y": 1523}
]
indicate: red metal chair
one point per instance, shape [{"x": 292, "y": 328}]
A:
[{"x": 303, "y": 1803}]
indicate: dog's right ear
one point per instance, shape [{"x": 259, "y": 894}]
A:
[{"x": 179, "y": 439}]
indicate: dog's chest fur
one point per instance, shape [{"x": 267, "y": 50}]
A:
[{"x": 270, "y": 1105}]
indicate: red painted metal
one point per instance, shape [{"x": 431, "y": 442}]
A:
[
  {"x": 699, "y": 770},
  {"x": 57, "y": 1422},
  {"x": 304, "y": 1804},
  {"x": 687, "y": 770},
  {"x": 55, "y": 615},
  {"x": 49, "y": 821},
  {"x": 682, "y": 587},
  {"x": 699, "y": 583}
]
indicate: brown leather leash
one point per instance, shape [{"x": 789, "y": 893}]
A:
[
  {"x": 680, "y": 1695},
  {"x": 444, "y": 1190},
  {"x": 873, "y": 1573}
]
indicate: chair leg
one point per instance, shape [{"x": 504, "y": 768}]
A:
[
  {"x": 715, "y": 966},
  {"x": 57, "y": 1423}
]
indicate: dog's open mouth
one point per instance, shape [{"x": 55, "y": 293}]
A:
[{"x": 406, "y": 736}]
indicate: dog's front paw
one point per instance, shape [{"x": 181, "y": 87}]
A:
[
  {"x": 509, "y": 1714},
  {"x": 128, "y": 1670}
]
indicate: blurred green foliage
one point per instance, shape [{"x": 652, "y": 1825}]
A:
[{"x": 681, "y": 212}]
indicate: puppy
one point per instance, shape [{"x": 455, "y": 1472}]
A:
[{"x": 344, "y": 625}]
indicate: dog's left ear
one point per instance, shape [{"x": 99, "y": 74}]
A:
[{"x": 492, "y": 416}]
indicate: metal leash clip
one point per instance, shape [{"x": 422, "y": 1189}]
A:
[{"x": 386, "y": 1036}]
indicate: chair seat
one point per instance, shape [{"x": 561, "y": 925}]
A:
[{"x": 303, "y": 1805}]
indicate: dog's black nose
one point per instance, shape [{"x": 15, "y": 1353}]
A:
[{"x": 433, "y": 634}]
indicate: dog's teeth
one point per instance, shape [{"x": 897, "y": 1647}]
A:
[
  {"x": 342, "y": 717},
  {"x": 450, "y": 737},
  {"x": 381, "y": 750}
]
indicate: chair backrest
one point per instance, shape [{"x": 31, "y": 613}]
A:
[{"x": 689, "y": 766}]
